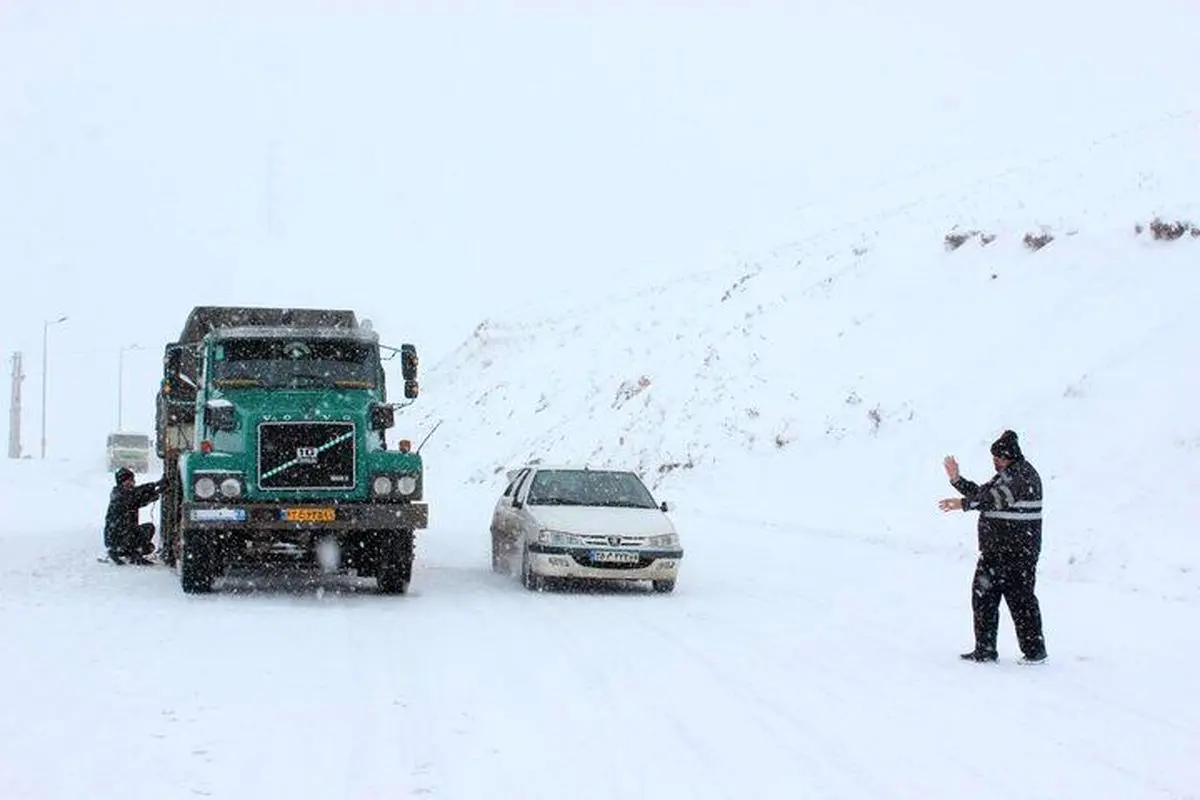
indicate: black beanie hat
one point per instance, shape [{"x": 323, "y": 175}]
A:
[
  {"x": 123, "y": 474},
  {"x": 1006, "y": 447}
]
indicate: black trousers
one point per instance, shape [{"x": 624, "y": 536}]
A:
[
  {"x": 138, "y": 541},
  {"x": 1011, "y": 577}
]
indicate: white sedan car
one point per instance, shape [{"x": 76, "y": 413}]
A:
[{"x": 595, "y": 524}]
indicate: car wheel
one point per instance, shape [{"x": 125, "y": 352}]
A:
[
  {"x": 530, "y": 579},
  {"x": 500, "y": 564},
  {"x": 663, "y": 587}
]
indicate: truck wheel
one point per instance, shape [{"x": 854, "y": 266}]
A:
[
  {"x": 663, "y": 587},
  {"x": 363, "y": 555},
  {"x": 170, "y": 512},
  {"x": 199, "y": 566},
  {"x": 395, "y": 562}
]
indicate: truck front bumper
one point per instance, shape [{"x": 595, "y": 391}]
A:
[{"x": 305, "y": 516}]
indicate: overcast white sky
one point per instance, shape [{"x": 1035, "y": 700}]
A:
[{"x": 490, "y": 159}]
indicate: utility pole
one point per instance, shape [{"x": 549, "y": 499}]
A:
[
  {"x": 14, "y": 418},
  {"x": 45, "y": 341}
]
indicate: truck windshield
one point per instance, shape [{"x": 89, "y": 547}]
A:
[{"x": 294, "y": 364}]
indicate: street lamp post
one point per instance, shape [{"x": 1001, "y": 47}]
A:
[
  {"x": 45, "y": 341},
  {"x": 121, "y": 380}
]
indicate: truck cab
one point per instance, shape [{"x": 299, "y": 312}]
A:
[{"x": 283, "y": 458}]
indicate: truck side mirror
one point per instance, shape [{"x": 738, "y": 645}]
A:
[
  {"x": 220, "y": 416},
  {"x": 408, "y": 364},
  {"x": 411, "y": 389},
  {"x": 382, "y": 417},
  {"x": 172, "y": 357}
]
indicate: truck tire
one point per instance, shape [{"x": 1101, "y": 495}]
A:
[
  {"x": 169, "y": 513},
  {"x": 198, "y": 566},
  {"x": 395, "y": 562},
  {"x": 663, "y": 587},
  {"x": 362, "y": 553}
]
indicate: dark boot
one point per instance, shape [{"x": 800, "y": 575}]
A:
[
  {"x": 115, "y": 557},
  {"x": 979, "y": 655}
]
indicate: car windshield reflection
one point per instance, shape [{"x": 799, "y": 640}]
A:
[{"x": 603, "y": 488}]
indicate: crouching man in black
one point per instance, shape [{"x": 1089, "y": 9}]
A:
[
  {"x": 1010, "y": 541},
  {"x": 124, "y": 538}
]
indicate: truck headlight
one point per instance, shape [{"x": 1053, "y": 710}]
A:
[
  {"x": 205, "y": 488},
  {"x": 666, "y": 540},
  {"x": 406, "y": 484},
  {"x": 559, "y": 539},
  {"x": 231, "y": 488},
  {"x": 382, "y": 485}
]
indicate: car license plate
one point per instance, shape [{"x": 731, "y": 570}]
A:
[
  {"x": 614, "y": 557},
  {"x": 309, "y": 515}
]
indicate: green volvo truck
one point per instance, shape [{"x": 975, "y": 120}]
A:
[{"x": 271, "y": 424}]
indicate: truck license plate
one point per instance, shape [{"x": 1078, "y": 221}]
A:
[
  {"x": 309, "y": 515},
  {"x": 614, "y": 557}
]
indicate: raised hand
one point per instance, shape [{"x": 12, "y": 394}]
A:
[{"x": 951, "y": 465}]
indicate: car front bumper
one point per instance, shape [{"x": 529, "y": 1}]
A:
[{"x": 581, "y": 562}]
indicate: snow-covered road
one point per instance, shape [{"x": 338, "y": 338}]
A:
[{"x": 789, "y": 663}]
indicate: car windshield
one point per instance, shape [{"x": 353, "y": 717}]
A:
[
  {"x": 294, "y": 363},
  {"x": 578, "y": 487},
  {"x": 128, "y": 440}
]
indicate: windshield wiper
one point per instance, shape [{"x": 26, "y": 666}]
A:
[
  {"x": 351, "y": 383},
  {"x": 555, "y": 501},
  {"x": 234, "y": 381}
]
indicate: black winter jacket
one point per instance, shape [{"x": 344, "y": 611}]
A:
[
  {"x": 123, "y": 505},
  {"x": 1010, "y": 506}
]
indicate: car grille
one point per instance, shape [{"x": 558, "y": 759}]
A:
[
  {"x": 604, "y": 540},
  {"x": 306, "y": 455},
  {"x": 585, "y": 560}
]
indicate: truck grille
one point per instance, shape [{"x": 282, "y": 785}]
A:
[{"x": 306, "y": 455}]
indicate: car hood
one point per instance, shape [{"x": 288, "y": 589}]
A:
[{"x": 602, "y": 520}]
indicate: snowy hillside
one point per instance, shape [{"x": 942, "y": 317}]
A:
[{"x": 823, "y": 383}]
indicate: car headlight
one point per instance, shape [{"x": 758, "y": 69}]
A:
[
  {"x": 406, "y": 484},
  {"x": 382, "y": 485},
  {"x": 205, "y": 488},
  {"x": 231, "y": 488},
  {"x": 559, "y": 539},
  {"x": 666, "y": 540}
]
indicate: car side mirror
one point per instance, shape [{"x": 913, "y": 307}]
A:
[{"x": 666, "y": 506}]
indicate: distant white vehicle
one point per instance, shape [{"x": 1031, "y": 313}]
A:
[
  {"x": 574, "y": 522},
  {"x": 130, "y": 450}
]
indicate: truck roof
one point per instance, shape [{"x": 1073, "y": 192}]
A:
[
  {"x": 205, "y": 319},
  {"x": 282, "y": 331}
]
